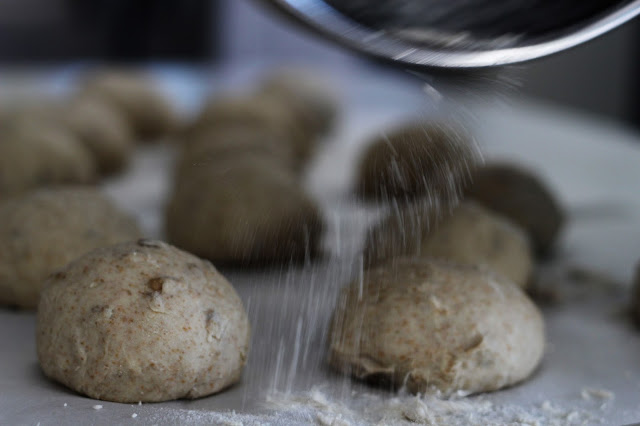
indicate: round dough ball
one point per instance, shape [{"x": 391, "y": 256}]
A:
[
  {"x": 134, "y": 95},
  {"x": 103, "y": 130},
  {"x": 42, "y": 231},
  {"x": 431, "y": 160},
  {"x": 243, "y": 211},
  {"x": 520, "y": 195},
  {"x": 471, "y": 235},
  {"x": 141, "y": 321},
  {"x": 307, "y": 95},
  {"x": 35, "y": 154},
  {"x": 219, "y": 144},
  {"x": 261, "y": 113},
  {"x": 436, "y": 326}
]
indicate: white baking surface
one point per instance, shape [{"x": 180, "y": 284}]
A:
[{"x": 594, "y": 166}]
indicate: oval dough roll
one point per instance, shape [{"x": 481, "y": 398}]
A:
[
  {"x": 141, "y": 321},
  {"x": 433, "y": 326}
]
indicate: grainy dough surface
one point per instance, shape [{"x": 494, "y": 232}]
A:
[
  {"x": 42, "y": 231},
  {"x": 34, "y": 155},
  {"x": 146, "y": 109},
  {"x": 245, "y": 210},
  {"x": 103, "y": 130},
  {"x": 141, "y": 321},
  {"x": 470, "y": 234},
  {"x": 262, "y": 113},
  {"x": 520, "y": 195},
  {"x": 428, "y": 159},
  {"x": 433, "y": 326}
]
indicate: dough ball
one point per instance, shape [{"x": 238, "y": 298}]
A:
[
  {"x": 420, "y": 160},
  {"x": 436, "y": 326},
  {"x": 521, "y": 196},
  {"x": 262, "y": 113},
  {"x": 219, "y": 144},
  {"x": 471, "y": 235},
  {"x": 42, "y": 231},
  {"x": 103, "y": 130},
  {"x": 134, "y": 95},
  {"x": 308, "y": 96},
  {"x": 141, "y": 321},
  {"x": 243, "y": 211},
  {"x": 34, "y": 154}
]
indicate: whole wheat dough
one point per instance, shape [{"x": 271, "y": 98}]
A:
[
  {"x": 219, "y": 144},
  {"x": 521, "y": 196},
  {"x": 308, "y": 95},
  {"x": 470, "y": 234},
  {"x": 134, "y": 95},
  {"x": 42, "y": 231},
  {"x": 263, "y": 114},
  {"x": 102, "y": 129},
  {"x": 141, "y": 321},
  {"x": 36, "y": 154},
  {"x": 245, "y": 210},
  {"x": 433, "y": 326}
]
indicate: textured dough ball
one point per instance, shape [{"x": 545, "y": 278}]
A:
[
  {"x": 102, "y": 129},
  {"x": 263, "y": 114},
  {"x": 134, "y": 95},
  {"x": 436, "y": 326},
  {"x": 471, "y": 235},
  {"x": 219, "y": 144},
  {"x": 246, "y": 210},
  {"x": 141, "y": 321},
  {"x": 308, "y": 96},
  {"x": 520, "y": 195},
  {"x": 42, "y": 231},
  {"x": 430, "y": 160},
  {"x": 35, "y": 154}
]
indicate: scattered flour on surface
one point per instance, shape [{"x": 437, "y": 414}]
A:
[
  {"x": 316, "y": 408},
  {"x": 589, "y": 394}
]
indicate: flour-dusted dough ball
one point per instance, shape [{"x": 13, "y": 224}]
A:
[
  {"x": 520, "y": 195},
  {"x": 308, "y": 95},
  {"x": 141, "y": 321},
  {"x": 243, "y": 211},
  {"x": 262, "y": 113},
  {"x": 471, "y": 234},
  {"x": 102, "y": 129},
  {"x": 219, "y": 144},
  {"x": 35, "y": 154},
  {"x": 134, "y": 95},
  {"x": 436, "y": 326},
  {"x": 42, "y": 231},
  {"x": 428, "y": 159}
]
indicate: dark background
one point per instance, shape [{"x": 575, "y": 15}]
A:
[{"x": 600, "y": 77}]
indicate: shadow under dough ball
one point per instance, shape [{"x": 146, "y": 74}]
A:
[
  {"x": 431, "y": 160},
  {"x": 146, "y": 109},
  {"x": 220, "y": 144},
  {"x": 261, "y": 113},
  {"x": 34, "y": 154},
  {"x": 42, "y": 231},
  {"x": 434, "y": 326},
  {"x": 141, "y": 321},
  {"x": 102, "y": 129},
  {"x": 470, "y": 235},
  {"x": 244, "y": 211},
  {"x": 635, "y": 302},
  {"x": 521, "y": 196}
]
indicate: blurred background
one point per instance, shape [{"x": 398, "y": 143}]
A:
[{"x": 600, "y": 77}]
